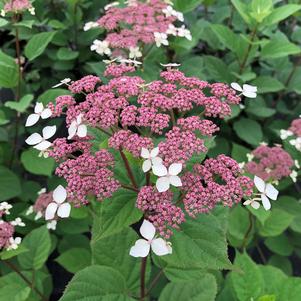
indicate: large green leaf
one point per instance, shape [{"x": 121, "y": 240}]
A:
[
  {"x": 242, "y": 9},
  {"x": 22, "y": 105},
  {"x": 38, "y": 243},
  {"x": 37, "y": 44},
  {"x": 14, "y": 292},
  {"x": 248, "y": 283},
  {"x": 203, "y": 289},
  {"x": 201, "y": 243},
  {"x": 97, "y": 283},
  {"x": 35, "y": 164},
  {"x": 187, "y": 5},
  {"x": 248, "y": 130},
  {"x": 281, "y": 13},
  {"x": 9, "y": 183},
  {"x": 260, "y": 9},
  {"x": 279, "y": 48},
  {"x": 8, "y": 71}
]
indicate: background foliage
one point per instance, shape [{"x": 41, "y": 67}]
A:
[{"x": 254, "y": 41}]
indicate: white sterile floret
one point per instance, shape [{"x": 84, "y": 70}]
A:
[
  {"x": 169, "y": 11},
  {"x": 142, "y": 247},
  {"x": 135, "y": 52},
  {"x": 171, "y": 65},
  {"x": 39, "y": 111},
  {"x": 184, "y": 32},
  {"x": 14, "y": 243},
  {"x": 65, "y": 81},
  {"x": 90, "y": 25},
  {"x": 2, "y": 13},
  {"x": 4, "y": 206},
  {"x": 113, "y": 4},
  {"x": 40, "y": 142},
  {"x": 161, "y": 39},
  {"x": 32, "y": 11},
  {"x": 101, "y": 47},
  {"x": 267, "y": 192},
  {"x": 29, "y": 210},
  {"x": 58, "y": 206},
  {"x": 284, "y": 134},
  {"x": 18, "y": 222},
  {"x": 172, "y": 30},
  {"x": 297, "y": 164},
  {"x": 151, "y": 157},
  {"x": 77, "y": 128},
  {"x": 246, "y": 90},
  {"x": 294, "y": 176},
  {"x": 51, "y": 225},
  {"x": 168, "y": 176},
  {"x": 130, "y": 62},
  {"x": 296, "y": 143}
]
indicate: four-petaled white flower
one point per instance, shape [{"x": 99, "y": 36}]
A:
[
  {"x": 59, "y": 206},
  {"x": 4, "y": 206},
  {"x": 284, "y": 134},
  {"x": 184, "y": 32},
  {"x": 77, "y": 128},
  {"x": 135, "y": 52},
  {"x": 32, "y": 10},
  {"x": 169, "y": 11},
  {"x": 294, "y": 176},
  {"x": 168, "y": 176},
  {"x": 171, "y": 65},
  {"x": 40, "y": 142},
  {"x": 161, "y": 39},
  {"x": 18, "y": 222},
  {"x": 151, "y": 157},
  {"x": 128, "y": 61},
  {"x": 246, "y": 90},
  {"x": 90, "y": 25},
  {"x": 14, "y": 243},
  {"x": 267, "y": 191},
  {"x": 101, "y": 47},
  {"x": 51, "y": 225},
  {"x": 172, "y": 30},
  {"x": 296, "y": 143},
  {"x": 39, "y": 111},
  {"x": 142, "y": 246},
  {"x": 64, "y": 81}
]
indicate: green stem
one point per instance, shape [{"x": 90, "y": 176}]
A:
[
  {"x": 246, "y": 237},
  {"x": 142, "y": 278}
]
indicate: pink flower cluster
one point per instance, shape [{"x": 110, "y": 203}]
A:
[
  {"x": 134, "y": 24},
  {"x": 17, "y": 5},
  {"x": 7, "y": 231},
  {"x": 295, "y": 127},
  {"x": 215, "y": 181},
  {"x": 43, "y": 200},
  {"x": 270, "y": 163}
]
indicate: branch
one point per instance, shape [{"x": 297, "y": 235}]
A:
[
  {"x": 128, "y": 168},
  {"x": 142, "y": 278}
]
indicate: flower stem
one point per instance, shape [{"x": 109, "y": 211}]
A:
[
  {"x": 128, "y": 168},
  {"x": 28, "y": 282},
  {"x": 142, "y": 278},
  {"x": 246, "y": 237},
  {"x": 154, "y": 282}
]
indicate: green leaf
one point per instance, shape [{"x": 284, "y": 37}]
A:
[
  {"x": 239, "y": 152},
  {"x": 66, "y": 54},
  {"x": 281, "y": 13},
  {"x": 279, "y": 245},
  {"x": 268, "y": 84},
  {"x": 25, "y": 23},
  {"x": 8, "y": 71},
  {"x": 75, "y": 259},
  {"x": 247, "y": 284},
  {"x": 201, "y": 243},
  {"x": 9, "y": 183},
  {"x": 290, "y": 289},
  {"x": 22, "y": 105},
  {"x": 12, "y": 253},
  {"x": 261, "y": 9},
  {"x": 242, "y": 10},
  {"x": 51, "y": 94},
  {"x": 38, "y": 243},
  {"x": 204, "y": 289},
  {"x": 37, "y": 44},
  {"x": 3, "y": 22},
  {"x": 35, "y": 164},
  {"x": 248, "y": 130},
  {"x": 115, "y": 214},
  {"x": 276, "y": 223},
  {"x": 279, "y": 48},
  {"x": 187, "y": 5},
  {"x": 258, "y": 108},
  {"x": 14, "y": 292},
  {"x": 96, "y": 283}
]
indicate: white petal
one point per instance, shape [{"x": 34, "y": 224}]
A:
[
  {"x": 147, "y": 230},
  {"x": 32, "y": 119},
  {"x": 155, "y": 152},
  {"x": 79, "y": 119},
  {"x": 265, "y": 202},
  {"x": 249, "y": 88},
  {"x": 38, "y": 108},
  {"x": 34, "y": 139},
  {"x": 64, "y": 210},
  {"x": 249, "y": 94},
  {"x": 259, "y": 183},
  {"x": 145, "y": 153},
  {"x": 175, "y": 168},
  {"x": 175, "y": 181},
  {"x": 43, "y": 145},
  {"x": 46, "y": 113},
  {"x": 49, "y": 131},
  {"x": 140, "y": 249},
  {"x": 236, "y": 87},
  {"x": 247, "y": 202},
  {"x": 147, "y": 165},
  {"x": 271, "y": 192},
  {"x": 163, "y": 184},
  {"x": 82, "y": 131},
  {"x": 59, "y": 194},
  {"x": 157, "y": 161},
  {"x": 50, "y": 211},
  {"x": 159, "y": 170},
  {"x": 255, "y": 205},
  {"x": 159, "y": 247},
  {"x": 72, "y": 130}
]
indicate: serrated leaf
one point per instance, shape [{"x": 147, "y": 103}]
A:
[
  {"x": 279, "y": 48},
  {"x": 22, "y": 105}
]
